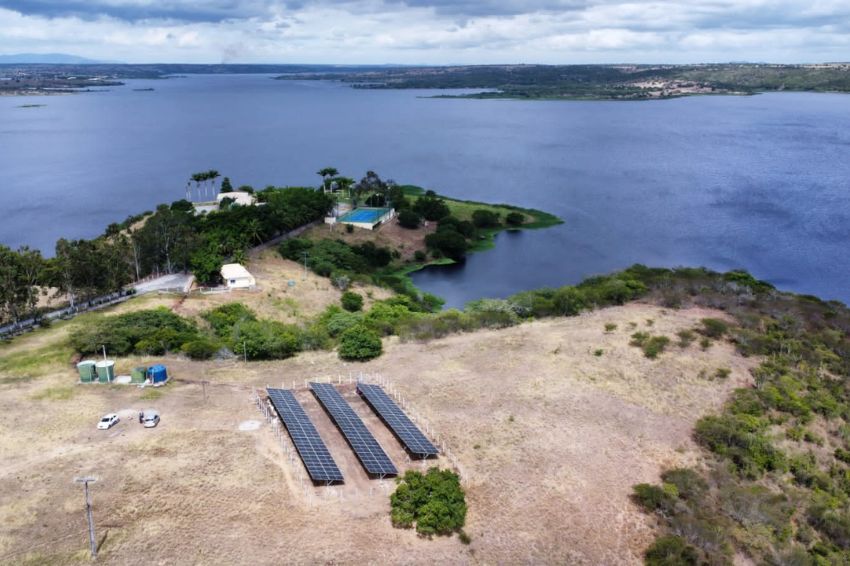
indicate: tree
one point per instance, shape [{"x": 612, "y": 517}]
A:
[
  {"x": 515, "y": 218},
  {"x": 344, "y": 184},
  {"x": 483, "y": 218},
  {"x": 327, "y": 173},
  {"x": 434, "y": 502},
  {"x": 358, "y": 343},
  {"x": 409, "y": 219},
  {"x": 352, "y": 302},
  {"x": 449, "y": 243},
  {"x": 226, "y": 186}
]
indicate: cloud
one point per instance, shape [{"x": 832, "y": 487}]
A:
[{"x": 430, "y": 31}]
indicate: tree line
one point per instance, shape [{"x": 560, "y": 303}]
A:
[{"x": 168, "y": 240}]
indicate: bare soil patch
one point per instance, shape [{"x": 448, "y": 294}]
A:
[{"x": 549, "y": 438}]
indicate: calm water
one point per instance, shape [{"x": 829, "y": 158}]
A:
[{"x": 758, "y": 182}]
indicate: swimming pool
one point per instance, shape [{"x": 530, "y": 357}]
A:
[{"x": 364, "y": 215}]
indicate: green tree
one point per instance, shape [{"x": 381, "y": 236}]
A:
[
  {"x": 359, "y": 343},
  {"x": 352, "y": 302},
  {"x": 409, "y": 219},
  {"x": 327, "y": 173},
  {"x": 226, "y": 185}
]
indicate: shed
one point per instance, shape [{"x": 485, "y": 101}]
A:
[
  {"x": 237, "y": 277},
  {"x": 105, "y": 371},
  {"x": 87, "y": 370}
]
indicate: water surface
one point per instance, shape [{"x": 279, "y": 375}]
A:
[{"x": 758, "y": 182}]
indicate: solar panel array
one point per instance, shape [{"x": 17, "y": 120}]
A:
[
  {"x": 309, "y": 444},
  {"x": 367, "y": 449},
  {"x": 408, "y": 433}
]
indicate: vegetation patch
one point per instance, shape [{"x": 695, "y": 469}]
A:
[
  {"x": 59, "y": 393},
  {"x": 433, "y": 503}
]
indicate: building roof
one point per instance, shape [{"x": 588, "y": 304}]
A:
[
  {"x": 234, "y": 271},
  {"x": 239, "y": 197}
]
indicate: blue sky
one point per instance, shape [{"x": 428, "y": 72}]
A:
[{"x": 430, "y": 31}]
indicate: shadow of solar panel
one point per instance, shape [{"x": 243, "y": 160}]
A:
[
  {"x": 408, "y": 433},
  {"x": 318, "y": 461},
  {"x": 368, "y": 451}
]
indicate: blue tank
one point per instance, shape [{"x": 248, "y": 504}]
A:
[{"x": 157, "y": 374}]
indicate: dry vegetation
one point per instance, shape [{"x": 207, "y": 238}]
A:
[{"x": 550, "y": 437}]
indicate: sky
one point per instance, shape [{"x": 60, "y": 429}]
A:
[{"x": 430, "y": 31}]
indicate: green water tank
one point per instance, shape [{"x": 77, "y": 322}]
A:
[
  {"x": 105, "y": 371},
  {"x": 138, "y": 374},
  {"x": 87, "y": 371}
]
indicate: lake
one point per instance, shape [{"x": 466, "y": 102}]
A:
[{"x": 760, "y": 182}]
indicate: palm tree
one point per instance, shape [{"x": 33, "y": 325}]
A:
[
  {"x": 327, "y": 173},
  {"x": 344, "y": 184},
  {"x": 212, "y": 175}
]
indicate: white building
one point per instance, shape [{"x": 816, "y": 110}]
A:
[
  {"x": 238, "y": 197},
  {"x": 237, "y": 277}
]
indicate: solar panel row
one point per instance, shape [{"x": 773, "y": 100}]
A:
[
  {"x": 318, "y": 461},
  {"x": 408, "y": 433},
  {"x": 368, "y": 451}
]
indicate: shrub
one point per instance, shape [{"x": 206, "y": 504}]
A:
[
  {"x": 449, "y": 243},
  {"x": 341, "y": 321},
  {"x": 652, "y": 497},
  {"x": 146, "y": 332},
  {"x": 713, "y": 328},
  {"x": 352, "y": 302},
  {"x": 515, "y": 219},
  {"x": 433, "y": 502},
  {"x": 409, "y": 219},
  {"x": 224, "y": 318},
  {"x": 610, "y": 327},
  {"x": 200, "y": 349},
  {"x": 485, "y": 219},
  {"x": 685, "y": 338},
  {"x": 671, "y": 550},
  {"x": 431, "y": 207},
  {"x": 420, "y": 256},
  {"x": 349, "y": 228},
  {"x": 265, "y": 340},
  {"x": 359, "y": 343},
  {"x": 689, "y": 484},
  {"x": 652, "y": 346}
]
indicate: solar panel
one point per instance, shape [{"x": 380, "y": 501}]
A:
[
  {"x": 305, "y": 437},
  {"x": 367, "y": 449},
  {"x": 408, "y": 433}
]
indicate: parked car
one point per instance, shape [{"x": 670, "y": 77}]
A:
[
  {"x": 108, "y": 421},
  {"x": 150, "y": 418}
]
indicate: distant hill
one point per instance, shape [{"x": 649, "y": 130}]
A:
[{"x": 46, "y": 58}]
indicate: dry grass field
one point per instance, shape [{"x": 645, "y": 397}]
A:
[{"x": 549, "y": 437}]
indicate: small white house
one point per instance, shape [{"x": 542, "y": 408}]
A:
[
  {"x": 238, "y": 197},
  {"x": 237, "y": 277}
]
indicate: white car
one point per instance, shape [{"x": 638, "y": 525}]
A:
[{"x": 108, "y": 421}]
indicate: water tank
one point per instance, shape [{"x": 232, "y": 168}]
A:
[
  {"x": 105, "y": 371},
  {"x": 87, "y": 371},
  {"x": 138, "y": 374},
  {"x": 157, "y": 374}
]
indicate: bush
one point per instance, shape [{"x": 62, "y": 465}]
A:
[
  {"x": 485, "y": 219},
  {"x": 224, "y": 318},
  {"x": 201, "y": 349},
  {"x": 671, "y": 550},
  {"x": 358, "y": 343},
  {"x": 265, "y": 340},
  {"x": 652, "y": 346},
  {"x": 431, "y": 207},
  {"x": 433, "y": 502},
  {"x": 652, "y": 497},
  {"x": 352, "y": 302},
  {"x": 449, "y": 243},
  {"x": 154, "y": 331},
  {"x": 420, "y": 256},
  {"x": 515, "y": 219},
  {"x": 713, "y": 328},
  {"x": 409, "y": 219}
]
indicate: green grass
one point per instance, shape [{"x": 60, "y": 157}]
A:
[
  {"x": 24, "y": 365},
  {"x": 60, "y": 393}
]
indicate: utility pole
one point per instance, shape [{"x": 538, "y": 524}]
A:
[
  {"x": 104, "y": 352},
  {"x": 305, "y": 254},
  {"x": 85, "y": 481}
]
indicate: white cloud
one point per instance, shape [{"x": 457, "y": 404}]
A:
[{"x": 434, "y": 31}]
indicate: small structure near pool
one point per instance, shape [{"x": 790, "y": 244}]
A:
[{"x": 366, "y": 217}]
